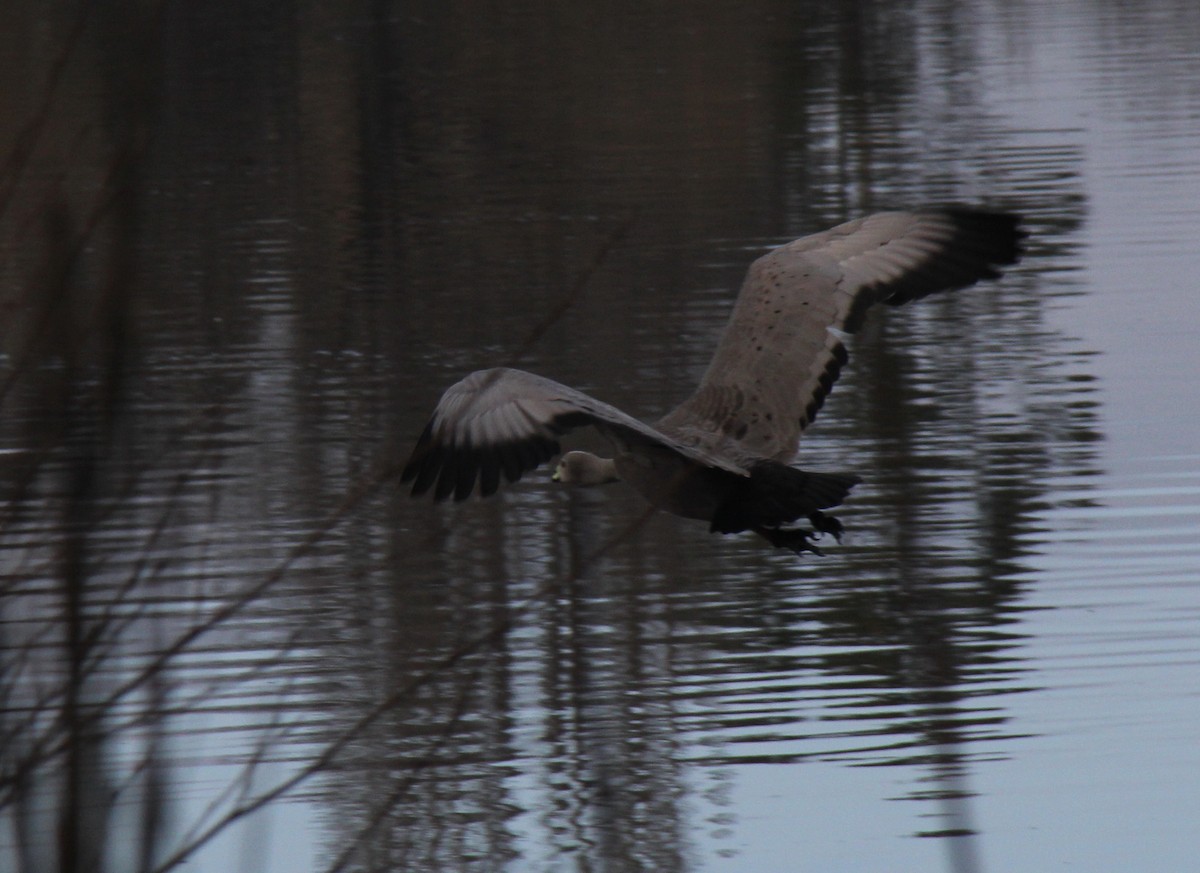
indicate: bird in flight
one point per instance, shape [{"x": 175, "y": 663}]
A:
[{"x": 724, "y": 455}]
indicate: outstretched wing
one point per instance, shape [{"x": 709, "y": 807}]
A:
[
  {"x": 505, "y": 421},
  {"x": 780, "y": 355}
]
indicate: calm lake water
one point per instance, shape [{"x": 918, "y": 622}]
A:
[{"x": 245, "y": 247}]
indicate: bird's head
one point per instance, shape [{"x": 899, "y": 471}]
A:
[{"x": 584, "y": 468}]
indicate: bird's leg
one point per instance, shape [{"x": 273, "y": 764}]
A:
[{"x": 797, "y": 539}]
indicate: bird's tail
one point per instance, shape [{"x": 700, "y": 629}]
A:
[{"x": 776, "y": 494}]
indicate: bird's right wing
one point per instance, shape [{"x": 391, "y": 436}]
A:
[
  {"x": 505, "y": 421},
  {"x": 780, "y": 355}
]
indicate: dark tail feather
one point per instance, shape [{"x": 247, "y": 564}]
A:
[{"x": 776, "y": 494}]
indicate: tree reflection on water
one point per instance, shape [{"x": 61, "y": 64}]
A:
[{"x": 242, "y": 247}]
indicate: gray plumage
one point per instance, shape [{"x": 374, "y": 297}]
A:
[{"x": 722, "y": 454}]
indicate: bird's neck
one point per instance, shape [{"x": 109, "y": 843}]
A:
[{"x": 602, "y": 471}]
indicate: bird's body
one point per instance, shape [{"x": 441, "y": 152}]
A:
[
  {"x": 723, "y": 454},
  {"x": 675, "y": 485}
]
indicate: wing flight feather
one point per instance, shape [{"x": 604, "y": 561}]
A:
[{"x": 779, "y": 355}]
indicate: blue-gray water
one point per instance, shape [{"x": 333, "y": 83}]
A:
[{"x": 244, "y": 249}]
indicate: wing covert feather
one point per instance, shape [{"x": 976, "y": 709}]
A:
[{"x": 779, "y": 355}]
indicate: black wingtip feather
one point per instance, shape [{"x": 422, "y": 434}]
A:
[
  {"x": 428, "y": 466},
  {"x": 468, "y": 470},
  {"x": 980, "y": 244},
  {"x": 454, "y": 470},
  {"x": 510, "y": 462},
  {"x": 420, "y": 452},
  {"x": 445, "y": 483},
  {"x": 489, "y": 474}
]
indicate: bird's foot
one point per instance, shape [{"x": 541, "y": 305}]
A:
[
  {"x": 826, "y": 524},
  {"x": 800, "y": 540},
  {"x": 794, "y": 539}
]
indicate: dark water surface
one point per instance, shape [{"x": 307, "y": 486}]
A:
[{"x": 245, "y": 246}]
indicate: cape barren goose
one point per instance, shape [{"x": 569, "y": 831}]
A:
[{"x": 723, "y": 454}]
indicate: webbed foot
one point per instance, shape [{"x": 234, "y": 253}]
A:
[{"x": 796, "y": 540}]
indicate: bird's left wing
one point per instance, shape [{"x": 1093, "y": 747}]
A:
[{"x": 506, "y": 421}]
